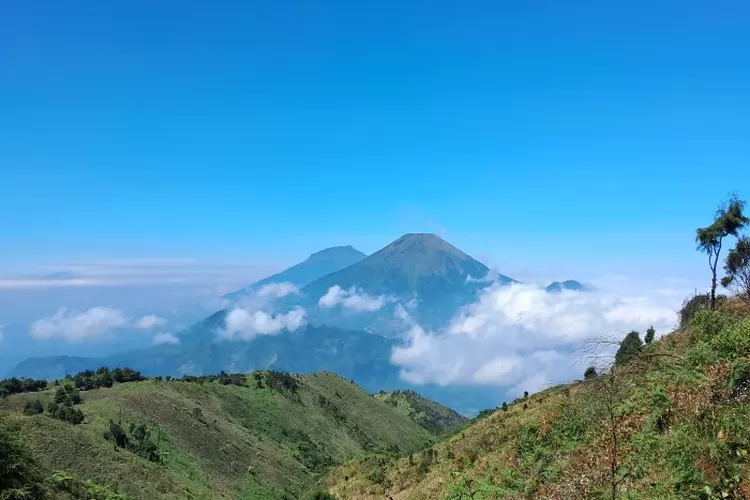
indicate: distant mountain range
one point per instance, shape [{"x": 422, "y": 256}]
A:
[{"x": 350, "y": 302}]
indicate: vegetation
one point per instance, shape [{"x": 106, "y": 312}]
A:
[
  {"x": 630, "y": 347},
  {"x": 728, "y": 221},
  {"x": 14, "y": 385},
  {"x": 650, "y": 334},
  {"x": 737, "y": 268},
  {"x": 431, "y": 416},
  {"x": 268, "y": 435},
  {"x": 666, "y": 419}
]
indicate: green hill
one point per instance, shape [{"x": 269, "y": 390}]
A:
[
  {"x": 267, "y": 438},
  {"x": 431, "y": 416},
  {"x": 670, "y": 423}
]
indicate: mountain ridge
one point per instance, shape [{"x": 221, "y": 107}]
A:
[{"x": 317, "y": 265}]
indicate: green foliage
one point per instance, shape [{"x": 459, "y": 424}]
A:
[
  {"x": 431, "y": 416},
  {"x": 650, "y": 334},
  {"x": 629, "y": 348},
  {"x": 589, "y": 373},
  {"x": 322, "y": 495},
  {"x": 737, "y": 269},
  {"x": 123, "y": 375},
  {"x": 525, "y": 394},
  {"x": 34, "y": 407},
  {"x": 68, "y": 395},
  {"x": 20, "y": 477},
  {"x": 729, "y": 220},
  {"x": 138, "y": 440},
  {"x": 739, "y": 380},
  {"x": 15, "y": 385},
  {"x": 504, "y": 406},
  {"x": 65, "y": 412}
]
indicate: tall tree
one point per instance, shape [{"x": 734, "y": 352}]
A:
[
  {"x": 729, "y": 220},
  {"x": 650, "y": 334},
  {"x": 629, "y": 348},
  {"x": 737, "y": 269}
]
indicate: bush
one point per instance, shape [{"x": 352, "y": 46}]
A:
[
  {"x": 590, "y": 373},
  {"x": 629, "y": 348},
  {"x": 322, "y": 495},
  {"x": 733, "y": 341},
  {"x": 65, "y": 412},
  {"x": 33, "y": 407},
  {"x": 67, "y": 395},
  {"x": 739, "y": 380}
]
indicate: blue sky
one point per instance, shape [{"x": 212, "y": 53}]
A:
[
  {"x": 259, "y": 132},
  {"x": 567, "y": 139}
]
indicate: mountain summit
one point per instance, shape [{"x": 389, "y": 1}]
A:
[
  {"x": 420, "y": 263},
  {"x": 315, "y": 266},
  {"x": 419, "y": 266}
]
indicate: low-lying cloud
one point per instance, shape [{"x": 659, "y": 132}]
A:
[
  {"x": 72, "y": 326},
  {"x": 255, "y": 314},
  {"x": 246, "y": 325},
  {"x": 96, "y": 322},
  {"x": 351, "y": 299},
  {"x": 165, "y": 338},
  {"x": 521, "y": 337},
  {"x": 149, "y": 321}
]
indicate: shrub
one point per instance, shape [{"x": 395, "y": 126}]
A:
[
  {"x": 650, "y": 334},
  {"x": 33, "y": 407},
  {"x": 739, "y": 380},
  {"x": 733, "y": 341},
  {"x": 505, "y": 406},
  {"x": 65, "y": 412},
  {"x": 589, "y": 373},
  {"x": 629, "y": 348}
]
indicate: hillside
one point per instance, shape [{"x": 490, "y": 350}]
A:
[
  {"x": 671, "y": 423},
  {"x": 314, "y": 267},
  {"x": 265, "y": 439},
  {"x": 431, "y": 416}
]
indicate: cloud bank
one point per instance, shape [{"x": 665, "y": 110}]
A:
[
  {"x": 165, "y": 338},
  {"x": 149, "y": 321},
  {"x": 351, "y": 299},
  {"x": 77, "y": 327},
  {"x": 255, "y": 315},
  {"x": 96, "y": 322},
  {"x": 521, "y": 337}
]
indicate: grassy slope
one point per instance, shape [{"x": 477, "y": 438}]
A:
[
  {"x": 681, "y": 423},
  {"x": 246, "y": 443},
  {"x": 431, "y": 416}
]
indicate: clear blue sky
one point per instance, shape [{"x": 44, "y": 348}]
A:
[{"x": 267, "y": 130}]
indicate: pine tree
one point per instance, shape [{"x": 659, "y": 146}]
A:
[
  {"x": 650, "y": 333},
  {"x": 629, "y": 348}
]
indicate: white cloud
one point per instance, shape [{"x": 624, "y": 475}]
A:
[
  {"x": 278, "y": 290},
  {"x": 246, "y": 324},
  {"x": 165, "y": 338},
  {"x": 77, "y": 327},
  {"x": 521, "y": 337},
  {"x": 350, "y": 299},
  {"x": 149, "y": 321}
]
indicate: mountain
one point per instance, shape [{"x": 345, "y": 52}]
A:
[
  {"x": 671, "y": 424},
  {"x": 557, "y": 286},
  {"x": 429, "y": 415},
  {"x": 416, "y": 266},
  {"x": 315, "y": 266},
  {"x": 354, "y": 355},
  {"x": 264, "y": 436},
  {"x": 421, "y": 266}
]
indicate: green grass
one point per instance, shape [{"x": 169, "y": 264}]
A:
[
  {"x": 679, "y": 414},
  {"x": 431, "y": 416},
  {"x": 241, "y": 442}
]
